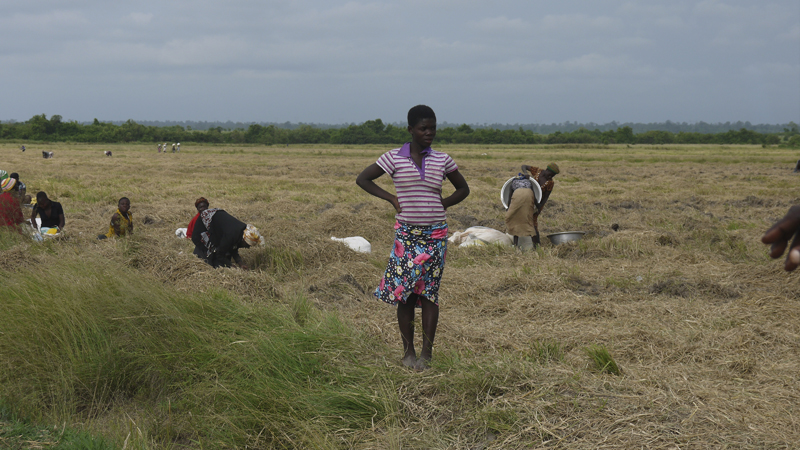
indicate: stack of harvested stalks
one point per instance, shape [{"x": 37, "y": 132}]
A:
[{"x": 702, "y": 325}]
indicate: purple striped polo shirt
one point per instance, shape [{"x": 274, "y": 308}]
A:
[{"x": 419, "y": 190}]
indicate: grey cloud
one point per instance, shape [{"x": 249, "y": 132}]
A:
[{"x": 338, "y": 61}]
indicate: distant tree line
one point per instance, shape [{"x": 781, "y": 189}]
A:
[
  {"x": 675, "y": 127},
  {"x": 54, "y": 129}
]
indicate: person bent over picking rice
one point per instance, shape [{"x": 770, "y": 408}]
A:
[
  {"x": 221, "y": 236},
  {"x": 417, "y": 258},
  {"x": 522, "y": 217},
  {"x": 201, "y": 204}
]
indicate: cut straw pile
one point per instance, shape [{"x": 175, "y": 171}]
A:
[{"x": 702, "y": 327}]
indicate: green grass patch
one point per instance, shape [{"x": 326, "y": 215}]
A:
[
  {"x": 21, "y": 434},
  {"x": 84, "y": 336},
  {"x": 547, "y": 350},
  {"x": 275, "y": 259},
  {"x": 601, "y": 359}
]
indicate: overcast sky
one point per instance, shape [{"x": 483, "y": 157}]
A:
[{"x": 520, "y": 61}]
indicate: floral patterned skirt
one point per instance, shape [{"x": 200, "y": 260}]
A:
[{"x": 415, "y": 264}]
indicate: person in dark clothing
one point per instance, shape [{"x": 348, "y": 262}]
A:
[
  {"x": 218, "y": 236},
  {"x": 51, "y": 213},
  {"x": 21, "y": 189}
]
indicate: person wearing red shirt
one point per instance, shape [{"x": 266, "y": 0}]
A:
[
  {"x": 10, "y": 211},
  {"x": 201, "y": 204}
]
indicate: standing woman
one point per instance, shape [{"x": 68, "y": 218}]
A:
[
  {"x": 416, "y": 262},
  {"x": 522, "y": 217},
  {"x": 121, "y": 221}
]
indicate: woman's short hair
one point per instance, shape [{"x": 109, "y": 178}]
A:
[{"x": 419, "y": 113}]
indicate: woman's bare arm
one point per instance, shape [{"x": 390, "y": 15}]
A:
[
  {"x": 461, "y": 192},
  {"x": 365, "y": 182}
]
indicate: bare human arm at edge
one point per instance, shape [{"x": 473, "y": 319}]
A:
[
  {"x": 461, "y": 192},
  {"x": 238, "y": 260},
  {"x": 365, "y": 182},
  {"x": 34, "y": 213},
  {"x": 779, "y": 235},
  {"x": 545, "y": 196},
  {"x": 61, "y": 222}
]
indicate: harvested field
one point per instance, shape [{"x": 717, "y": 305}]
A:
[{"x": 671, "y": 279}]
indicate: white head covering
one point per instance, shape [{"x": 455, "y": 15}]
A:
[{"x": 252, "y": 236}]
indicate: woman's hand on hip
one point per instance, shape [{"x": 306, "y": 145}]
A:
[{"x": 396, "y": 204}]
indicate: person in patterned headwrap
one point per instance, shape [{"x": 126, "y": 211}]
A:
[
  {"x": 522, "y": 217},
  {"x": 218, "y": 236},
  {"x": 10, "y": 212}
]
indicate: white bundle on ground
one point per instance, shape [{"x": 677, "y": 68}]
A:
[
  {"x": 356, "y": 243},
  {"x": 480, "y": 236},
  {"x": 181, "y": 232}
]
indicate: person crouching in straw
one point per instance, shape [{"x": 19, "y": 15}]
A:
[
  {"x": 221, "y": 236},
  {"x": 416, "y": 261},
  {"x": 10, "y": 212}
]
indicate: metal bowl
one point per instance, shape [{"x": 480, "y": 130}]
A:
[
  {"x": 565, "y": 236},
  {"x": 505, "y": 191}
]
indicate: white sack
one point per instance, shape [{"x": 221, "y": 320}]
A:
[
  {"x": 356, "y": 243},
  {"x": 480, "y": 236}
]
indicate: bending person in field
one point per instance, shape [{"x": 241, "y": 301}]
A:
[
  {"x": 779, "y": 235},
  {"x": 10, "y": 211},
  {"x": 522, "y": 217},
  {"x": 51, "y": 213},
  {"x": 121, "y": 221},
  {"x": 218, "y": 236},
  {"x": 201, "y": 204},
  {"x": 416, "y": 261}
]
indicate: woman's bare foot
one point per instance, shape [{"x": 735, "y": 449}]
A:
[
  {"x": 410, "y": 360},
  {"x": 423, "y": 364}
]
